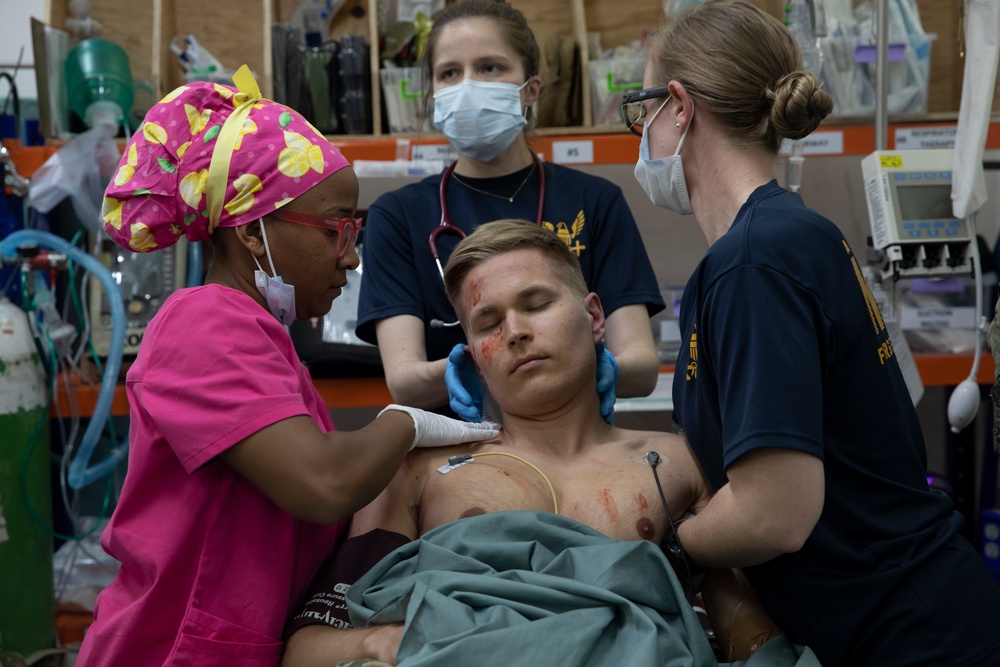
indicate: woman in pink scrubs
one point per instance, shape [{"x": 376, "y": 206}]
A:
[{"x": 237, "y": 485}]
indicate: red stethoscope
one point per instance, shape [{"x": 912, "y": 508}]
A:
[{"x": 445, "y": 226}]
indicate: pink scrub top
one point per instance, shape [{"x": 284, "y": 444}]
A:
[{"x": 210, "y": 565}]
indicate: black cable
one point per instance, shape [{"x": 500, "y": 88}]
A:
[
  {"x": 17, "y": 102},
  {"x": 17, "y": 126},
  {"x": 672, "y": 540}
]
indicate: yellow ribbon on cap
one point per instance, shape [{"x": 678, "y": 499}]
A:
[{"x": 225, "y": 143}]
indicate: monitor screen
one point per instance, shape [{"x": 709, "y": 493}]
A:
[{"x": 925, "y": 202}]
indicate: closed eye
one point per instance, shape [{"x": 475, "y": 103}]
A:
[
  {"x": 487, "y": 326},
  {"x": 539, "y": 305}
]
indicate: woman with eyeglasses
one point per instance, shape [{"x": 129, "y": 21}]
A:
[
  {"x": 238, "y": 486},
  {"x": 787, "y": 385},
  {"x": 482, "y": 62}
]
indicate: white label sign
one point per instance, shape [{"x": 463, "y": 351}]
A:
[
  {"x": 937, "y": 317},
  {"x": 818, "y": 143},
  {"x": 439, "y": 152},
  {"x": 926, "y": 137},
  {"x": 573, "y": 152}
]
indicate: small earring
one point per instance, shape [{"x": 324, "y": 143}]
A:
[{"x": 677, "y": 124}]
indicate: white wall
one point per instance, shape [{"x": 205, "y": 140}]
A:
[{"x": 15, "y": 33}]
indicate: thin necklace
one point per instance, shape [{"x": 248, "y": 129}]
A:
[{"x": 509, "y": 199}]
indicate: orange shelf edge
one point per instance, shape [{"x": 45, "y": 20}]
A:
[
  {"x": 936, "y": 370},
  {"x": 608, "y": 147},
  {"x": 336, "y": 393},
  {"x": 948, "y": 370},
  {"x": 623, "y": 148},
  {"x": 86, "y": 396}
]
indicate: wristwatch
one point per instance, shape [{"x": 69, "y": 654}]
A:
[{"x": 688, "y": 572}]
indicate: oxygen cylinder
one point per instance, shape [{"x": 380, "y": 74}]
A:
[{"x": 26, "y": 592}]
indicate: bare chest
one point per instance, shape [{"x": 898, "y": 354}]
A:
[{"x": 616, "y": 497}]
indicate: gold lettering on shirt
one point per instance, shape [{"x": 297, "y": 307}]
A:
[
  {"x": 885, "y": 351},
  {"x": 692, "y": 367},
  {"x": 568, "y": 233}
]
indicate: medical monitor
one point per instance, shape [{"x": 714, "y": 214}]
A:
[
  {"x": 146, "y": 280},
  {"x": 909, "y": 205}
]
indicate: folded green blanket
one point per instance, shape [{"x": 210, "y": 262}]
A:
[{"x": 528, "y": 588}]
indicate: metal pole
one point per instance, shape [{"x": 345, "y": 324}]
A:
[{"x": 882, "y": 74}]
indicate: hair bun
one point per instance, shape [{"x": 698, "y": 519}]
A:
[{"x": 800, "y": 104}]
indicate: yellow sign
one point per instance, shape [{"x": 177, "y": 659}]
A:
[{"x": 891, "y": 161}]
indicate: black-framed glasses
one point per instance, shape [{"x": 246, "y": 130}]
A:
[
  {"x": 633, "y": 110},
  {"x": 347, "y": 228}
]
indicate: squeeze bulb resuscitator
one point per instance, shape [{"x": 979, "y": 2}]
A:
[{"x": 963, "y": 405}]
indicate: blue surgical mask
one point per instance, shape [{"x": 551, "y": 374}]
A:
[
  {"x": 663, "y": 179},
  {"x": 279, "y": 295},
  {"x": 481, "y": 119}
]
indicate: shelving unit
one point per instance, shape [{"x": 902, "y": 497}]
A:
[{"x": 239, "y": 31}]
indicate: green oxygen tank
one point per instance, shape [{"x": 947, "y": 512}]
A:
[{"x": 27, "y": 621}]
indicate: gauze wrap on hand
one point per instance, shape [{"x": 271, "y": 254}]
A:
[
  {"x": 465, "y": 389},
  {"x": 434, "y": 430}
]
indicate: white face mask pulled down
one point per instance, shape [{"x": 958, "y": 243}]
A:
[
  {"x": 279, "y": 295},
  {"x": 663, "y": 180},
  {"x": 481, "y": 119}
]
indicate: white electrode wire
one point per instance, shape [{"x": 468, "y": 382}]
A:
[
  {"x": 977, "y": 273},
  {"x": 85, "y": 316},
  {"x": 64, "y": 574},
  {"x": 69, "y": 372},
  {"x": 71, "y": 504},
  {"x": 552, "y": 490},
  {"x": 67, "y": 439}
]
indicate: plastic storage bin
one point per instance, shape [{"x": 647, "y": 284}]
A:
[
  {"x": 404, "y": 99},
  {"x": 608, "y": 80}
]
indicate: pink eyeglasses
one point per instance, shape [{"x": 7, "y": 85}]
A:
[{"x": 347, "y": 228}]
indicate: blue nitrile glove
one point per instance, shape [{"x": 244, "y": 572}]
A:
[
  {"x": 607, "y": 378},
  {"x": 465, "y": 389}
]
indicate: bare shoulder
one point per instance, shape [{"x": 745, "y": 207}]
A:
[
  {"x": 659, "y": 441},
  {"x": 397, "y": 508},
  {"x": 675, "y": 455}
]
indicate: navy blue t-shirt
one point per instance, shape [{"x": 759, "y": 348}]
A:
[
  {"x": 589, "y": 213},
  {"x": 786, "y": 348}
]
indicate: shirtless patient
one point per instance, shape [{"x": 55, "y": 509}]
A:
[{"x": 532, "y": 328}]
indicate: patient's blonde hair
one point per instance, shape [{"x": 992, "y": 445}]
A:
[{"x": 503, "y": 236}]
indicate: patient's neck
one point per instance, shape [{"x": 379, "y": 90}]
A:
[{"x": 566, "y": 431}]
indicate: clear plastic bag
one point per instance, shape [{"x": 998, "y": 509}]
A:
[
  {"x": 80, "y": 170},
  {"x": 81, "y": 568},
  {"x": 847, "y": 53}
]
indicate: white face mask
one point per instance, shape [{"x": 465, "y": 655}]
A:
[
  {"x": 481, "y": 119},
  {"x": 280, "y": 296},
  {"x": 663, "y": 179}
]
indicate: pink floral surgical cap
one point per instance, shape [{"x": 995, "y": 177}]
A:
[{"x": 189, "y": 170}]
